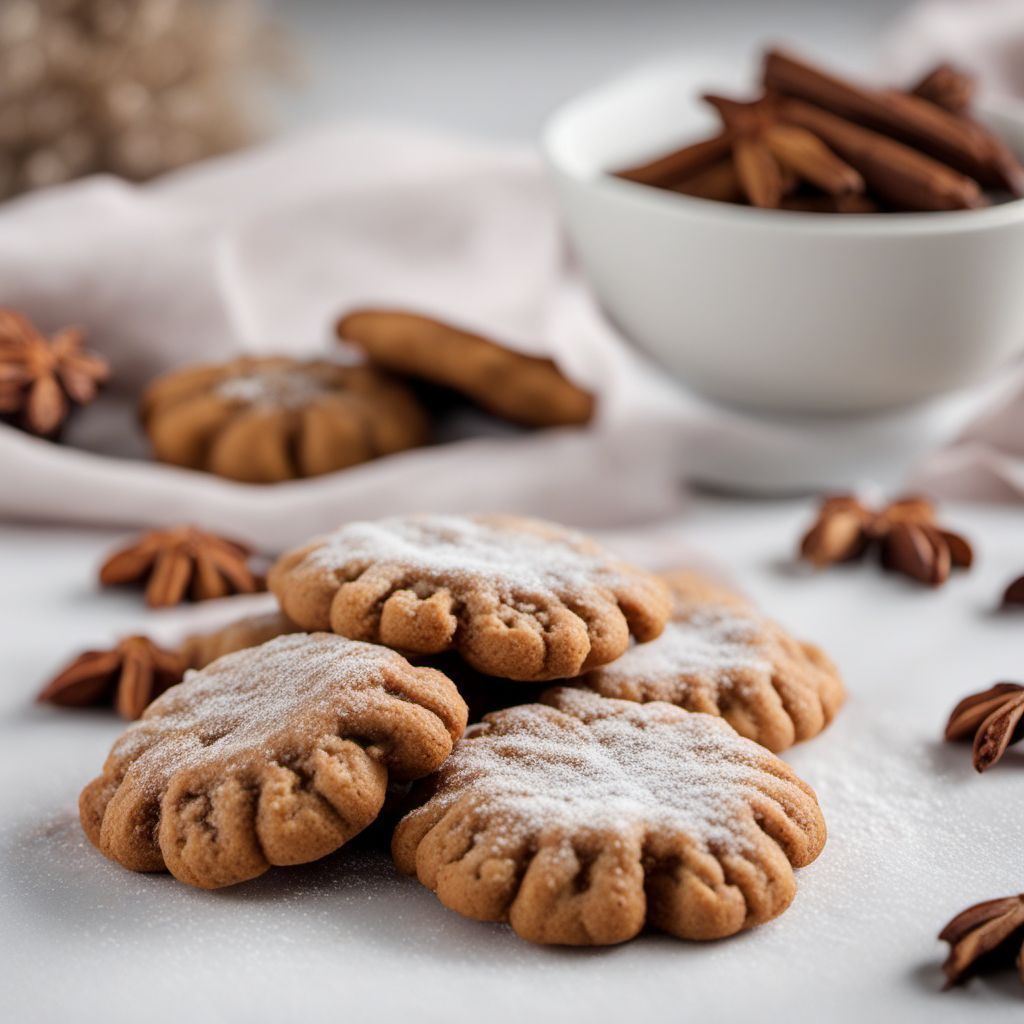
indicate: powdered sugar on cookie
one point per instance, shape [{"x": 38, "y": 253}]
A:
[
  {"x": 281, "y": 388},
  {"x": 272, "y": 755},
  {"x": 242, "y": 701},
  {"x": 517, "y": 598},
  {"x": 720, "y": 656},
  {"x": 718, "y": 646},
  {"x": 611, "y": 765},
  {"x": 517, "y": 556}
]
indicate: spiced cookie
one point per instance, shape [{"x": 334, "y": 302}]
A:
[
  {"x": 274, "y": 755},
  {"x": 719, "y": 655},
  {"x": 263, "y": 420},
  {"x": 517, "y": 598},
  {"x": 524, "y": 389},
  {"x": 581, "y": 819},
  {"x": 199, "y": 649}
]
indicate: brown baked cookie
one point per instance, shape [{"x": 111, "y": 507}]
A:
[
  {"x": 274, "y": 755},
  {"x": 263, "y": 420},
  {"x": 517, "y": 598},
  {"x": 581, "y": 819},
  {"x": 199, "y": 649},
  {"x": 524, "y": 389},
  {"x": 719, "y": 655}
]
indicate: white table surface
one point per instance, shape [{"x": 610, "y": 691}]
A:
[{"x": 915, "y": 834}]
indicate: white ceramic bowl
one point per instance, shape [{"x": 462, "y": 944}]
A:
[{"x": 780, "y": 311}]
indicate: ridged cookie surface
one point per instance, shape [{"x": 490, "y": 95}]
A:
[
  {"x": 516, "y": 598},
  {"x": 720, "y": 655},
  {"x": 581, "y": 819},
  {"x": 277, "y": 754}
]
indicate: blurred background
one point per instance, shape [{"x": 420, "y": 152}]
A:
[
  {"x": 498, "y": 68},
  {"x": 136, "y": 86}
]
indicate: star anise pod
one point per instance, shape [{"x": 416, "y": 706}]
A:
[
  {"x": 182, "y": 561},
  {"x": 905, "y": 532},
  {"x": 839, "y": 534},
  {"x": 994, "y": 719},
  {"x": 128, "y": 677},
  {"x": 985, "y": 936},
  {"x": 40, "y": 377},
  {"x": 1014, "y": 593}
]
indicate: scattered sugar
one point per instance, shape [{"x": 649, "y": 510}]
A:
[
  {"x": 629, "y": 768},
  {"x": 513, "y": 556},
  {"x": 283, "y": 388}
]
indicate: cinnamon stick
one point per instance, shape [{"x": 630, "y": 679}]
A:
[
  {"x": 947, "y": 87},
  {"x": 849, "y": 203},
  {"x": 805, "y": 154},
  {"x": 963, "y": 144},
  {"x": 719, "y": 181},
  {"x": 679, "y": 164},
  {"x": 759, "y": 173},
  {"x": 896, "y": 173}
]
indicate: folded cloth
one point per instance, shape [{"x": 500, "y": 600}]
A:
[
  {"x": 259, "y": 252},
  {"x": 985, "y": 37}
]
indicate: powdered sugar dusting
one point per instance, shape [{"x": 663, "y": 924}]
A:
[
  {"x": 255, "y": 702},
  {"x": 514, "y": 556},
  {"x": 281, "y": 388},
  {"x": 721, "y": 646},
  {"x": 604, "y": 764}
]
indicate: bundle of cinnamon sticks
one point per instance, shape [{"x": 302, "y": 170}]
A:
[{"x": 814, "y": 141}]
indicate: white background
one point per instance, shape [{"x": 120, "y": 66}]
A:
[{"x": 915, "y": 834}]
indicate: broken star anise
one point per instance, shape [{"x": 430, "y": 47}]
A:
[
  {"x": 182, "y": 561},
  {"x": 994, "y": 719},
  {"x": 985, "y": 936},
  {"x": 905, "y": 533},
  {"x": 40, "y": 377},
  {"x": 128, "y": 676}
]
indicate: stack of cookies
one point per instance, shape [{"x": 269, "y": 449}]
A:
[{"x": 629, "y": 776}]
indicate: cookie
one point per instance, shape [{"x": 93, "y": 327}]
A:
[
  {"x": 199, "y": 649},
  {"x": 517, "y": 598},
  {"x": 524, "y": 389},
  {"x": 719, "y": 655},
  {"x": 581, "y": 819},
  {"x": 263, "y": 420},
  {"x": 277, "y": 754}
]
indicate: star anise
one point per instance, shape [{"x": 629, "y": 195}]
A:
[
  {"x": 986, "y": 936},
  {"x": 182, "y": 561},
  {"x": 994, "y": 719},
  {"x": 905, "y": 533},
  {"x": 1014, "y": 593},
  {"x": 841, "y": 533},
  {"x": 128, "y": 677},
  {"x": 40, "y": 377}
]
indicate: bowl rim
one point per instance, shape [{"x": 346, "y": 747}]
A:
[{"x": 683, "y": 207}]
